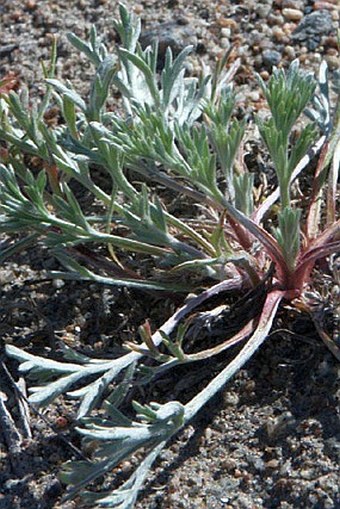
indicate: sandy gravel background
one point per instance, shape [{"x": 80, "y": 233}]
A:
[{"x": 271, "y": 439}]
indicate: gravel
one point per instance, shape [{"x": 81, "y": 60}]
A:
[{"x": 271, "y": 440}]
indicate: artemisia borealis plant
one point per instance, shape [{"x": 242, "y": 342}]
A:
[{"x": 176, "y": 133}]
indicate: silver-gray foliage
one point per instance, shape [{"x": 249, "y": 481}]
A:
[{"x": 175, "y": 133}]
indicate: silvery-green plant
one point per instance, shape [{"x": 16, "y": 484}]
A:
[{"x": 175, "y": 133}]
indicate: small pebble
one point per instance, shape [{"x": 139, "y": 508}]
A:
[
  {"x": 265, "y": 75},
  {"x": 332, "y": 51},
  {"x": 332, "y": 61},
  {"x": 243, "y": 501},
  {"x": 259, "y": 464},
  {"x": 250, "y": 386},
  {"x": 16, "y": 15},
  {"x": 335, "y": 15},
  {"x": 255, "y": 37},
  {"x": 275, "y": 19},
  {"x": 231, "y": 399},
  {"x": 290, "y": 52},
  {"x": 31, "y": 5},
  {"x": 331, "y": 42},
  {"x": 225, "y": 32},
  {"x": 288, "y": 28},
  {"x": 278, "y": 34},
  {"x": 304, "y": 59},
  {"x": 286, "y": 468},
  {"x": 292, "y": 14},
  {"x": 6, "y": 276},
  {"x": 262, "y": 10},
  {"x": 191, "y": 481},
  {"x": 294, "y": 4},
  {"x": 254, "y": 96},
  {"x": 126, "y": 466},
  {"x": 271, "y": 57},
  {"x": 307, "y": 474},
  {"x": 318, "y": 6},
  {"x": 265, "y": 44},
  {"x": 225, "y": 43},
  {"x": 227, "y": 23},
  {"x": 258, "y": 61},
  {"x": 53, "y": 488},
  {"x": 224, "y": 500},
  {"x": 272, "y": 464},
  {"x": 228, "y": 464},
  {"x": 316, "y": 57},
  {"x": 58, "y": 283},
  {"x": 208, "y": 434},
  {"x": 138, "y": 9},
  {"x": 68, "y": 505}
]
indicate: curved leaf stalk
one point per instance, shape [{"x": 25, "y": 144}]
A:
[
  {"x": 333, "y": 178},
  {"x": 261, "y": 332},
  {"x": 312, "y": 226},
  {"x": 242, "y": 335},
  {"x": 165, "y": 421},
  {"x": 307, "y": 262},
  {"x": 71, "y": 373}
]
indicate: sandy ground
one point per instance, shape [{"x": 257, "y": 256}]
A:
[{"x": 271, "y": 439}]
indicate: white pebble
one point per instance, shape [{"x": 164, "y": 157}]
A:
[
  {"x": 231, "y": 399},
  {"x": 254, "y": 96},
  {"x": 225, "y": 32},
  {"x": 278, "y": 33},
  {"x": 290, "y": 52},
  {"x": 316, "y": 57},
  {"x": 58, "y": 283},
  {"x": 292, "y": 14},
  {"x": 225, "y": 43}
]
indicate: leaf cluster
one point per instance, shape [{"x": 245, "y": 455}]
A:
[{"x": 176, "y": 141}]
